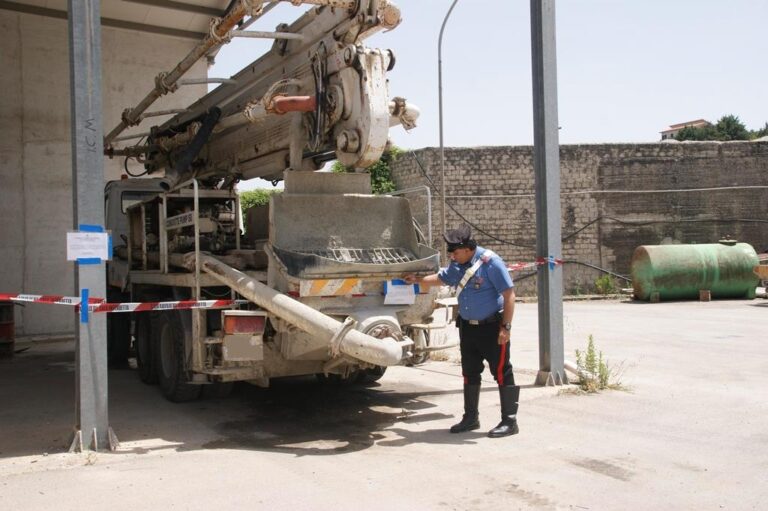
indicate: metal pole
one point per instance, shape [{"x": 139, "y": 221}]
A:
[
  {"x": 440, "y": 114},
  {"x": 254, "y": 34},
  {"x": 92, "y": 418},
  {"x": 203, "y": 81},
  {"x": 546, "y": 162}
]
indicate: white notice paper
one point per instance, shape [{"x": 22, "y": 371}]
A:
[
  {"x": 397, "y": 292},
  {"x": 87, "y": 245}
]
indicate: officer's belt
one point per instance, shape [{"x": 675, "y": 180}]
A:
[{"x": 495, "y": 318}]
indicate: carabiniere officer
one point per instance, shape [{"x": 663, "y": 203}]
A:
[{"x": 486, "y": 297}]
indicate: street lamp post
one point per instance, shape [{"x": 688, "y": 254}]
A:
[{"x": 440, "y": 114}]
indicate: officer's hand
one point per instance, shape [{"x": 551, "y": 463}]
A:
[
  {"x": 411, "y": 279},
  {"x": 503, "y": 336}
]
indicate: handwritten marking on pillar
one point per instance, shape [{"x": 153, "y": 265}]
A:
[{"x": 90, "y": 143}]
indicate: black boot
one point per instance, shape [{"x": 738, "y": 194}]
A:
[
  {"x": 510, "y": 396},
  {"x": 470, "y": 419}
]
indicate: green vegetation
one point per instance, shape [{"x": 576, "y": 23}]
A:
[
  {"x": 729, "y": 127},
  {"x": 381, "y": 174},
  {"x": 604, "y": 285},
  {"x": 253, "y": 198},
  {"x": 594, "y": 372}
]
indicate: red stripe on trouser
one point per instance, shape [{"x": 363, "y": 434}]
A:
[{"x": 500, "y": 369}]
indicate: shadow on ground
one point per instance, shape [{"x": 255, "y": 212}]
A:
[{"x": 299, "y": 416}]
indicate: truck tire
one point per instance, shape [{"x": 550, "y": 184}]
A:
[
  {"x": 420, "y": 358},
  {"x": 379, "y": 328},
  {"x": 144, "y": 346},
  {"x": 170, "y": 355},
  {"x": 118, "y": 337},
  {"x": 371, "y": 375}
]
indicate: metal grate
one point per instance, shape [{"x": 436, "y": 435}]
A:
[{"x": 365, "y": 255}]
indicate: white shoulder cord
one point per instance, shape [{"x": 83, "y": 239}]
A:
[{"x": 485, "y": 258}]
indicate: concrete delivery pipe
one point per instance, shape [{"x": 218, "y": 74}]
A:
[{"x": 380, "y": 352}]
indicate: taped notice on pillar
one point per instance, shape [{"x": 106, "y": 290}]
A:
[
  {"x": 397, "y": 292},
  {"x": 88, "y": 246}
]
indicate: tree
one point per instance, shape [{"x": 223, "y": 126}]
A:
[
  {"x": 729, "y": 127},
  {"x": 381, "y": 173},
  {"x": 761, "y": 132},
  {"x": 696, "y": 133},
  {"x": 340, "y": 168},
  {"x": 253, "y": 198}
]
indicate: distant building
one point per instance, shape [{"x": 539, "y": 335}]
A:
[{"x": 674, "y": 128}]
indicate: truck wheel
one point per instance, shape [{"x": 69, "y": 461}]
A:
[
  {"x": 144, "y": 346},
  {"x": 118, "y": 339},
  {"x": 420, "y": 358},
  {"x": 170, "y": 354},
  {"x": 371, "y": 375},
  {"x": 378, "y": 328},
  {"x": 359, "y": 376}
]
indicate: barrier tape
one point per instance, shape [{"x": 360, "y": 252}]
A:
[
  {"x": 51, "y": 299},
  {"x": 540, "y": 261},
  {"x": 164, "y": 306},
  {"x": 101, "y": 305}
]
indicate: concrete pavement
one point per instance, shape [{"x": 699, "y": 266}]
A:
[{"x": 689, "y": 434}]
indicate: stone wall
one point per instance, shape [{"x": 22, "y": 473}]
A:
[{"x": 614, "y": 197}]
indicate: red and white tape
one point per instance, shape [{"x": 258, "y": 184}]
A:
[
  {"x": 540, "y": 261},
  {"x": 164, "y": 306},
  {"x": 521, "y": 266},
  {"x": 100, "y": 305},
  {"x": 51, "y": 299}
]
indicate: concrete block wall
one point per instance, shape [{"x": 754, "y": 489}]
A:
[
  {"x": 35, "y": 148},
  {"x": 614, "y": 197}
]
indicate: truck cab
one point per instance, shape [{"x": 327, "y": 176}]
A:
[{"x": 119, "y": 195}]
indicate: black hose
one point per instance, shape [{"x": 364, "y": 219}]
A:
[
  {"x": 588, "y": 265},
  {"x": 190, "y": 152}
]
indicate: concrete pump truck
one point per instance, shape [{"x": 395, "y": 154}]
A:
[{"x": 318, "y": 268}]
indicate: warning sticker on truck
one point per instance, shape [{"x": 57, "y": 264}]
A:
[{"x": 330, "y": 287}]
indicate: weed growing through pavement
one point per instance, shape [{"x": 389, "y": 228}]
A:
[{"x": 595, "y": 374}]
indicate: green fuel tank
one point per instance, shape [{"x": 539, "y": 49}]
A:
[{"x": 679, "y": 272}]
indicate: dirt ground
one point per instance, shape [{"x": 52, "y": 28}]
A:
[{"x": 689, "y": 433}]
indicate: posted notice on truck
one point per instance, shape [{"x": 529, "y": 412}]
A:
[{"x": 397, "y": 292}]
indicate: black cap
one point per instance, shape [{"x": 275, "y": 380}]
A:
[{"x": 459, "y": 238}]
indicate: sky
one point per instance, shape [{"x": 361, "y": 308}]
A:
[{"x": 626, "y": 69}]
